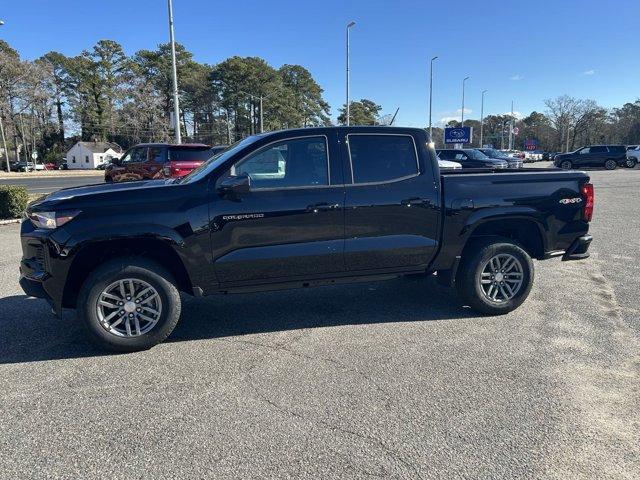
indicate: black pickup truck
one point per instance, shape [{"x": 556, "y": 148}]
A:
[{"x": 297, "y": 208}]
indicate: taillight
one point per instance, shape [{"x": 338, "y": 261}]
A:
[{"x": 588, "y": 196}]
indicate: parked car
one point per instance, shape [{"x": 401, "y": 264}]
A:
[
  {"x": 470, "y": 158},
  {"x": 39, "y": 166},
  {"x": 512, "y": 162},
  {"x": 13, "y": 165},
  {"x": 63, "y": 166},
  {"x": 607, "y": 156},
  {"x": 448, "y": 165},
  {"x": 320, "y": 214},
  {"x": 103, "y": 166},
  {"x": 23, "y": 166},
  {"x": 157, "y": 160},
  {"x": 633, "y": 156},
  {"x": 50, "y": 166}
]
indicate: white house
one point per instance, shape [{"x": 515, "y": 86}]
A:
[{"x": 88, "y": 155}]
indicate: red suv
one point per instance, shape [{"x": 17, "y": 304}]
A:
[{"x": 158, "y": 160}]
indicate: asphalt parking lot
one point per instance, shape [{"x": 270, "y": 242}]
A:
[{"x": 390, "y": 380}]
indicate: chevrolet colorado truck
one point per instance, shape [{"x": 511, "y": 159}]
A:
[{"x": 297, "y": 208}]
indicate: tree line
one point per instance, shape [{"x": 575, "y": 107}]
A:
[
  {"x": 567, "y": 124},
  {"x": 105, "y": 95}
]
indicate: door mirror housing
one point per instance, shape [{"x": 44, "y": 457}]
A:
[
  {"x": 236, "y": 185},
  {"x": 114, "y": 161}
]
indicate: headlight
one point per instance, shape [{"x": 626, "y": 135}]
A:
[{"x": 51, "y": 220}]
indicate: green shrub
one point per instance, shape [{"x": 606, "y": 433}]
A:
[{"x": 13, "y": 201}]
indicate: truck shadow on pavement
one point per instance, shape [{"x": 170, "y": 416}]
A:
[{"x": 30, "y": 333}]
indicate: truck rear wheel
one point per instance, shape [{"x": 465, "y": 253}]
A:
[
  {"x": 495, "y": 277},
  {"x": 129, "y": 304}
]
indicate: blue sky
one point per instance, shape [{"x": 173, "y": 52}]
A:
[{"x": 521, "y": 51}]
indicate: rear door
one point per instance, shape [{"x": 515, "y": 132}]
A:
[
  {"x": 156, "y": 160},
  {"x": 598, "y": 155},
  {"x": 392, "y": 203},
  {"x": 291, "y": 223}
]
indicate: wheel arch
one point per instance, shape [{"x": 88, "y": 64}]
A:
[
  {"x": 526, "y": 232},
  {"x": 94, "y": 254}
]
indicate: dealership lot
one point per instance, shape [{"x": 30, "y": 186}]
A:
[{"x": 390, "y": 380}]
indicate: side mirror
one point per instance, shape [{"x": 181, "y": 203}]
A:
[
  {"x": 114, "y": 160},
  {"x": 237, "y": 185}
]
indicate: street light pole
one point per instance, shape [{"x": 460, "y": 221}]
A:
[
  {"x": 349, "y": 25},
  {"x": 462, "y": 116},
  {"x": 430, "y": 96},
  {"x": 511, "y": 128},
  {"x": 174, "y": 72},
  {"x": 482, "y": 117}
]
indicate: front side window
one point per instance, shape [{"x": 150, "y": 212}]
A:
[
  {"x": 382, "y": 158},
  {"x": 301, "y": 162}
]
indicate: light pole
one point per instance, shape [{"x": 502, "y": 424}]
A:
[
  {"x": 431, "y": 95},
  {"x": 174, "y": 72},
  {"x": 462, "y": 113},
  {"x": 349, "y": 25},
  {"x": 482, "y": 117}
]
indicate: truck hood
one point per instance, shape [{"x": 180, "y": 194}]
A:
[
  {"x": 100, "y": 191},
  {"x": 76, "y": 192}
]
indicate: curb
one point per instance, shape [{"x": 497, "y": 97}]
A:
[{"x": 10, "y": 222}]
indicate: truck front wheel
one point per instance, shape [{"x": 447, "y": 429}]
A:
[
  {"x": 495, "y": 276},
  {"x": 129, "y": 304}
]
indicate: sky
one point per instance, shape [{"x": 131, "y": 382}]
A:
[{"x": 523, "y": 52}]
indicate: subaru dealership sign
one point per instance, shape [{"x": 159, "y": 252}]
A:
[{"x": 458, "y": 135}]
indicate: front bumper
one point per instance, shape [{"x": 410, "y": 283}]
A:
[{"x": 578, "y": 250}]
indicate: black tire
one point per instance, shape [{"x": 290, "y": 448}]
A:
[
  {"x": 610, "y": 164},
  {"x": 630, "y": 163},
  {"x": 137, "y": 268},
  {"x": 566, "y": 165},
  {"x": 469, "y": 275}
]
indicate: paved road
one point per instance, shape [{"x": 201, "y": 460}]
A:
[
  {"x": 389, "y": 380},
  {"x": 51, "y": 184}
]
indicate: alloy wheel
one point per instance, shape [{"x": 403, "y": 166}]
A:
[
  {"x": 129, "y": 307},
  {"x": 502, "y": 277}
]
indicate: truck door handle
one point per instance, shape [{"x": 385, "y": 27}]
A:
[
  {"x": 412, "y": 201},
  {"x": 322, "y": 207}
]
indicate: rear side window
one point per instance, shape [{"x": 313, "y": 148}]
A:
[
  {"x": 617, "y": 149},
  {"x": 156, "y": 154},
  {"x": 597, "y": 149},
  {"x": 382, "y": 158},
  {"x": 190, "y": 154}
]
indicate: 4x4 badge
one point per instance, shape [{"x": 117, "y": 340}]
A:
[{"x": 567, "y": 201}]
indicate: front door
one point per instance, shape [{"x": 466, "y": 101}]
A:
[
  {"x": 392, "y": 203},
  {"x": 291, "y": 222}
]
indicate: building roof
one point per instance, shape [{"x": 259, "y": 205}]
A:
[{"x": 99, "y": 147}]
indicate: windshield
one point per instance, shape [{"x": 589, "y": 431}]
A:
[
  {"x": 476, "y": 155},
  {"x": 216, "y": 160}
]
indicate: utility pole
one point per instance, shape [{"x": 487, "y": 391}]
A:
[
  {"x": 261, "y": 117},
  {"x": 511, "y": 128},
  {"x": 462, "y": 113},
  {"x": 4, "y": 144},
  {"x": 482, "y": 117},
  {"x": 349, "y": 25},
  {"x": 174, "y": 72},
  {"x": 431, "y": 96}
]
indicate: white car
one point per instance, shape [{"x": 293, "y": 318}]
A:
[
  {"x": 449, "y": 165},
  {"x": 633, "y": 157}
]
